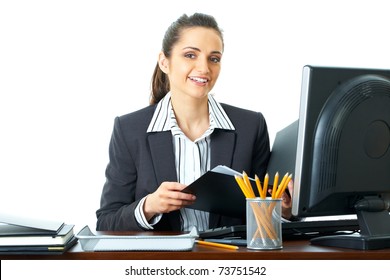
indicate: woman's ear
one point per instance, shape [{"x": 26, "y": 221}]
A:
[{"x": 163, "y": 62}]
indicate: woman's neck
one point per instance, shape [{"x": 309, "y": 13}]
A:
[{"x": 192, "y": 115}]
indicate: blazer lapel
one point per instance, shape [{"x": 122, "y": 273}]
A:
[
  {"x": 222, "y": 147},
  {"x": 222, "y": 150},
  {"x": 161, "y": 150},
  {"x": 163, "y": 158}
]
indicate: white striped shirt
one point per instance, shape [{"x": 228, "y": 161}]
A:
[{"x": 192, "y": 158}]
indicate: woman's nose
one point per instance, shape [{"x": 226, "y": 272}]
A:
[{"x": 202, "y": 66}]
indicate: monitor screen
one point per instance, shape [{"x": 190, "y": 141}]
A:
[{"x": 339, "y": 150}]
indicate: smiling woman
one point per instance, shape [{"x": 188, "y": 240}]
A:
[
  {"x": 69, "y": 67},
  {"x": 189, "y": 129}
]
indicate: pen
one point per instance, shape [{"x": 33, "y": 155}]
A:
[{"x": 214, "y": 244}]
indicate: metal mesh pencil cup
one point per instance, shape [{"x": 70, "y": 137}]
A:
[{"x": 264, "y": 223}]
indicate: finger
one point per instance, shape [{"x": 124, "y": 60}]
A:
[
  {"x": 179, "y": 202},
  {"x": 173, "y": 190},
  {"x": 173, "y": 186},
  {"x": 169, "y": 205},
  {"x": 176, "y": 198},
  {"x": 290, "y": 187},
  {"x": 182, "y": 196}
]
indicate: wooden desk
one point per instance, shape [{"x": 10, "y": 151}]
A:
[{"x": 292, "y": 250}]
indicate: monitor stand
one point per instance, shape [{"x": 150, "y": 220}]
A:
[
  {"x": 374, "y": 222},
  {"x": 353, "y": 241}
]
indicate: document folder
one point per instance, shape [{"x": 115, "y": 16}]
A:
[{"x": 218, "y": 192}]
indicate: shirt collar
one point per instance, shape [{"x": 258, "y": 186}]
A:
[{"x": 164, "y": 119}]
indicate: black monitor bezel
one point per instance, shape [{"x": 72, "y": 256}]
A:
[{"x": 318, "y": 83}]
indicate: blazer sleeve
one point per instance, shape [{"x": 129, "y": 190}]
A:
[{"x": 118, "y": 201}]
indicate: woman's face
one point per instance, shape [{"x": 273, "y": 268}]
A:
[{"x": 195, "y": 62}]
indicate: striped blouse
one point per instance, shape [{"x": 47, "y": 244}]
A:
[{"x": 192, "y": 158}]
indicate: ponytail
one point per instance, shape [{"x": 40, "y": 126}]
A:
[{"x": 160, "y": 85}]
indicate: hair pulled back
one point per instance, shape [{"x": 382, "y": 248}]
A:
[{"x": 160, "y": 82}]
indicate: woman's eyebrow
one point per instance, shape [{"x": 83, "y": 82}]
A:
[{"x": 199, "y": 50}]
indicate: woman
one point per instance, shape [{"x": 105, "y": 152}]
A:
[{"x": 157, "y": 151}]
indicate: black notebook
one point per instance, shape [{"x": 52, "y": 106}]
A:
[
  {"x": 218, "y": 192},
  {"x": 38, "y": 249},
  {"x": 29, "y": 231}
]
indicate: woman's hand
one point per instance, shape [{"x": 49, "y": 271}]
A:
[{"x": 167, "y": 198}]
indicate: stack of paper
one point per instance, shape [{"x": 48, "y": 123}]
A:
[{"x": 19, "y": 235}]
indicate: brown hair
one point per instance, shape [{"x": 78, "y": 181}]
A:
[{"x": 160, "y": 83}]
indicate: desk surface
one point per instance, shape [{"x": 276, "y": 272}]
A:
[{"x": 292, "y": 250}]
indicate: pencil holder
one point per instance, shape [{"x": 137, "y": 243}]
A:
[{"x": 264, "y": 223}]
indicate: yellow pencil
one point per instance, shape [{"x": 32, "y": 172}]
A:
[
  {"x": 214, "y": 244},
  {"x": 248, "y": 184},
  {"x": 242, "y": 186},
  {"x": 281, "y": 184},
  {"x": 265, "y": 185},
  {"x": 275, "y": 186},
  {"x": 259, "y": 188},
  {"x": 283, "y": 188}
]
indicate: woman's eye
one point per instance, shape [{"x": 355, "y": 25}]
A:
[
  {"x": 215, "y": 59},
  {"x": 189, "y": 55}
]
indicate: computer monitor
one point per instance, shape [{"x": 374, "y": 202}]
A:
[{"x": 339, "y": 152}]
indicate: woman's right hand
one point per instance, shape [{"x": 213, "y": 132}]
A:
[{"x": 168, "y": 197}]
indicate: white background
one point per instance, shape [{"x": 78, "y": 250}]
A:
[
  {"x": 67, "y": 68},
  {"x": 115, "y": 269}
]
